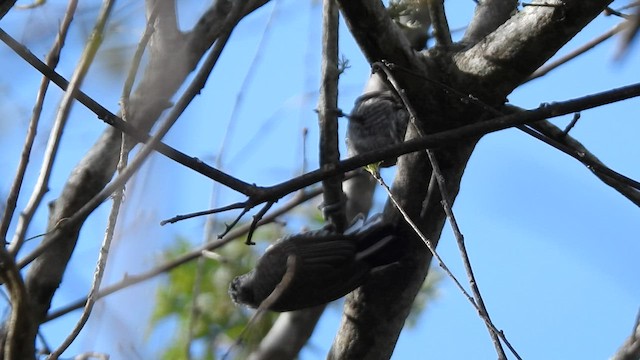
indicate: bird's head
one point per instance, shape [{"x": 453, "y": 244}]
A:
[{"x": 241, "y": 290}]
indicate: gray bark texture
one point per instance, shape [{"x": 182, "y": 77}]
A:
[
  {"x": 173, "y": 55},
  {"x": 499, "y": 50}
]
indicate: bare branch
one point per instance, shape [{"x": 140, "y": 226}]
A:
[
  {"x": 507, "y": 56},
  {"x": 99, "y": 270},
  {"x": 128, "y": 127},
  {"x": 327, "y": 116},
  {"x": 446, "y": 204},
  {"x": 256, "y": 219},
  {"x": 630, "y": 350},
  {"x": 457, "y": 136},
  {"x": 439, "y": 22},
  {"x": 234, "y": 206},
  {"x": 629, "y": 188},
  {"x": 288, "y": 334},
  {"x": 16, "y": 345},
  {"x": 378, "y": 37},
  {"x": 5, "y": 6},
  {"x": 450, "y": 137},
  {"x": 488, "y": 16},
  {"x": 482, "y": 310},
  {"x": 42, "y": 184},
  {"x": 239, "y": 231},
  {"x": 51, "y": 59},
  {"x": 577, "y": 52}
]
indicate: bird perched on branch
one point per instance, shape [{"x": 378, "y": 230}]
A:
[
  {"x": 378, "y": 120},
  {"x": 317, "y": 266}
]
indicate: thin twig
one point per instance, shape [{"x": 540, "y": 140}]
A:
[
  {"x": 441, "y": 263},
  {"x": 211, "y": 220},
  {"x": 52, "y": 60},
  {"x": 609, "y": 11},
  {"x": 16, "y": 345},
  {"x": 333, "y": 200},
  {"x": 234, "y": 206},
  {"x": 439, "y": 22},
  {"x": 446, "y": 205},
  {"x": 627, "y": 187},
  {"x": 571, "y": 124},
  {"x": 130, "y": 280},
  {"x": 98, "y": 273},
  {"x": 51, "y": 151},
  {"x": 544, "y": 70},
  {"x": 229, "y": 227},
  {"x": 583, "y": 103},
  {"x": 137, "y": 59},
  {"x": 254, "y": 221},
  {"x": 192, "y": 90},
  {"x": 111, "y": 119},
  {"x": 90, "y": 51}
]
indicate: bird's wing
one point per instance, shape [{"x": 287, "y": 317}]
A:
[{"x": 324, "y": 254}]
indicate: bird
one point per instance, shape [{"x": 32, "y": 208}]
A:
[
  {"x": 318, "y": 266},
  {"x": 378, "y": 120}
]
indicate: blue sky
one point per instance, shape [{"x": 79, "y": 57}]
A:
[{"x": 553, "y": 248}]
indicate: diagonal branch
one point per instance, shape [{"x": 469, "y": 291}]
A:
[
  {"x": 239, "y": 231},
  {"x": 5, "y": 6},
  {"x": 552, "y": 135},
  {"x": 458, "y": 136},
  {"x": 507, "y": 56},
  {"x": 328, "y": 116},
  {"x": 439, "y": 22},
  {"x": 52, "y": 60},
  {"x": 156, "y": 88},
  {"x": 577, "y": 52},
  {"x": 489, "y": 71},
  {"x": 630, "y": 350},
  {"x": 437, "y": 174},
  {"x": 377, "y": 35},
  {"x": 127, "y": 127},
  {"x": 16, "y": 344},
  {"x": 488, "y": 16}
]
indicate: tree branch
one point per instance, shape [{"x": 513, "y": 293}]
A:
[
  {"x": 630, "y": 350},
  {"x": 16, "y": 332},
  {"x": 577, "y": 52},
  {"x": 239, "y": 231},
  {"x": 378, "y": 36},
  {"x": 488, "y": 16},
  {"x": 164, "y": 74},
  {"x": 5, "y": 6},
  {"x": 333, "y": 201},
  {"x": 26, "y": 215},
  {"x": 506, "y": 57},
  {"x": 128, "y": 127},
  {"x": 490, "y": 70},
  {"x": 439, "y": 22}
]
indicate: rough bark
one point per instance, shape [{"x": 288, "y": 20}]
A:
[
  {"x": 173, "y": 55},
  {"x": 374, "y": 314}
]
